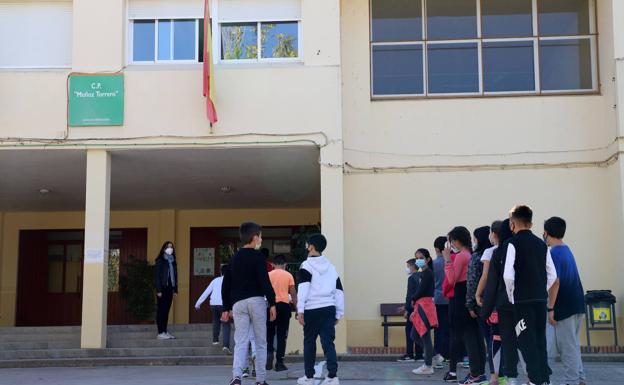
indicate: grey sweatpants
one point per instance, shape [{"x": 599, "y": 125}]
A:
[
  {"x": 250, "y": 313},
  {"x": 564, "y": 338}
]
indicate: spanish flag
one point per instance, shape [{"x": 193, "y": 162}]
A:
[{"x": 208, "y": 72}]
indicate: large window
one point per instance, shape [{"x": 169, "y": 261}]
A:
[
  {"x": 482, "y": 47},
  {"x": 166, "y": 40}
]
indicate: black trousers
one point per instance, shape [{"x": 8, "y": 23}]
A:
[
  {"x": 531, "y": 332},
  {"x": 279, "y": 327},
  {"x": 412, "y": 348},
  {"x": 163, "y": 304},
  {"x": 441, "y": 341},
  {"x": 509, "y": 348},
  {"x": 458, "y": 317},
  {"x": 475, "y": 346},
  {"x": 320, "y": 322}
]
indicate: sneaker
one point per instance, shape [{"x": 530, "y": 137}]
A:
[
  {"x": 448, "y": 377},
  {"x": 262, "y": 383},
  {"x": 227, "y": 351},
  {"x": 305, "y": 381},
  {"x": 331, "y": 381},
  {"x": 502, "y": 380},
  {"x": 438, "y": 362},
  {"x": 214, "y": 343},
  {"x": 406, "y": 358},
  {"x": 512, "y": 381},
  {"x": 482, "y": 379},
  {"x": 245, "y": 372},
  {"x": 236, "y": 381},
  {"x": 253, "y": 373},
  {"x": 169, "y": 336},
  {"x": 280, "y": 367},
  {"x": 465, "y": 364},
  {"x": 162, "y": 336},
  {"x": 424, "y": 369}
]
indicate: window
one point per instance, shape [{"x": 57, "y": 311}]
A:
[
  {"x": 482, "y": 47},
  {"x": 166, "y": 40},
  {"x": 35, "y": 34},
  {"x": 251, "y": 32}
]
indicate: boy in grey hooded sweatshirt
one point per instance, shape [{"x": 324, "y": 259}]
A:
[{"x": 320, "y": 305}]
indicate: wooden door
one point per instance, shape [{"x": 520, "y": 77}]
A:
[{"x": 202, "y": 238}]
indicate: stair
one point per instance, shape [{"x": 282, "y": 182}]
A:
[{"x": 126, "y": 344}]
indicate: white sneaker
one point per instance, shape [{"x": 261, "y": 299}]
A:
[
  {"x": 162, "y": 336},
  {"x": 438, "y": 361},
  {"x": 423, "y": 370},
  {"x": 169, "y": 336},
  {"x": 227, "y": 351},
  {"x": 331, "y": 381},
  {"x": 215, "y": 343},
  {"x": 305, "y": 381},
  {"x": 512, "y": 381}
]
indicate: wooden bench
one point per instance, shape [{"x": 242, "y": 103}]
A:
[{"x": 390, "y": 310}]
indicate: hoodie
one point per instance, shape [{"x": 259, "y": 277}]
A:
[{"x": 319, "y": 286}]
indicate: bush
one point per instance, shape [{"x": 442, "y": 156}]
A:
[{"x": 136, "y": 286}]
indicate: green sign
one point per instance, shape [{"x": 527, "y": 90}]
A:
[{"x": 96, "y": 100}]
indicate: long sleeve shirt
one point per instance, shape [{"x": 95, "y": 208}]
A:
[
  {"x": 426, "y": 286},
  {"x": 214, "y": 292},
  {"x": 457, "y": 270},
  {"x": 245, "y": 278}
]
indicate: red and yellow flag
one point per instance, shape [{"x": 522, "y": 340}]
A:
[{"x": 208, "y": 72}]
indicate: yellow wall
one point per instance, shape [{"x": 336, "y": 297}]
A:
[{"x": 161, "y": 225}]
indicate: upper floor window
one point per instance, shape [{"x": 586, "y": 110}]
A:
[
  {"x": 36, "y": 34},
  {"x": 252, "y": 31},
  {"x": 482, "y": 47}
]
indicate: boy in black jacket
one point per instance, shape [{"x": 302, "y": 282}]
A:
[{"x": 529, "y": 274}]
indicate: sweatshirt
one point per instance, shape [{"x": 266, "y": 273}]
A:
[
  {"x": 319, "y": 286},
  {"x": 426, "y": 286},
  {"x": 214, "y": 291},
  {"x": 246, "y": 278}
]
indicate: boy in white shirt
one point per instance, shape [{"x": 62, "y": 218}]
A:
[{"x": 216, "y": 306}]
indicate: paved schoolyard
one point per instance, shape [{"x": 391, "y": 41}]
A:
[{"x": 351, "y": 373}]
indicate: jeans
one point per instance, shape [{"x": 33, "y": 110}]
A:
[
  {"x": 563, "y": 338},
  {"x": 250, "y": 314},
  {"x": 217, "y": 324},
  {"x": 163, "y": 304},
  {"x": 320, "y": 322},
  {"x": 279, "y": 327}
]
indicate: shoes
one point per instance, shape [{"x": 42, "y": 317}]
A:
[
  {"x": 227, "y": 351},
  {"x": 438, "y": 362},
  {"x": 169, "y": 336},
  {"x": 262, "y": 383},
  {"x": 235, "y": 381},
  {"x": 424, "y": 369},
  {"x": 512, "y": 381},
  {"x": 502, "y": 380},
  {"x": 474, "y": 380},
  {"x": 162, "y": 336},
  {"x": 406, "y": 358},
  {"x": 465, "y": 364},
  {"x": 305, "y": 381},
  {"x": 448, "y": 377},
  {"x": 280, "y": 367},
  {"x": 331, "y": 381},
  {"x": 245, "y": 372},
  {"x": 215, "y": 343}
]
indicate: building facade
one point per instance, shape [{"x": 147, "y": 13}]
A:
[{"x": 386, "y": 122}]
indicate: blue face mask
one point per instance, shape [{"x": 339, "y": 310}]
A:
[{"x": 420, "y": 263}]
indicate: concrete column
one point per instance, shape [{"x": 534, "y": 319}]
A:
[
  {"x": 332, "y": 222},
  {"x": 95, "y": 275}
]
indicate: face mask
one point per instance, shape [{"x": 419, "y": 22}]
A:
[
  {"x": 258, "y": 245},
  {"x": 169, "y": 251},
  {"x": 408, "y": 271},
  {"x": 454, "y": 249},
  {"x": 474, "y": 247},
  {"x": 545, "y": 238},
  {"x": 420, "y": 263}
]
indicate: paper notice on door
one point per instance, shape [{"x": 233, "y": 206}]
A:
[{"x": 94, "y": 256}]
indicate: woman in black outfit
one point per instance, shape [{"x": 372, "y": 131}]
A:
[
  {"x": 424, "y": 316},
  {"x": 166, "y": 276}
]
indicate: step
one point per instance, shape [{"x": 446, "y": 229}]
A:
[
  {"x": 111, "y": 336},
  {"x": 29, "y": 330},
  {"x": 109, "y": 352}
]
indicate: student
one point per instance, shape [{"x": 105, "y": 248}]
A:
[
  {"x": 566, "y": 315},
  {"x": 166, "y": 277},
  {"x": 456, "y": 270},
  {"x": 216, "y": 306},
  {"x": 266, "y": 253},
  {"x": 320, "y": 305},
  {"x": 495, "y": 296},
  {"x": 284, "y": 286},
  {"x": 423, "y": 318},
  {"x": 441, "y": 334},
  {"x": 246, "y": 284},
  {"x": 413, "y": 277},
  {"x": 529, "y": 274},
  {"x": 477, "y": 330}
]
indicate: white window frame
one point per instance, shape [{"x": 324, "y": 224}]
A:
[
  {"x": 156, "y": 61},
  {"x": 216, "y": 38},
  {"x": 535, "y": 39}
]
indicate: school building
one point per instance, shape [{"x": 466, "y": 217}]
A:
[{"x": 386, "y": 122}]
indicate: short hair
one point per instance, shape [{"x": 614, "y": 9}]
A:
[
  {"x": 462, "y": 235},
  {"x": 318, "y": 241},
  {"x": 248, "y": 230},
  {"x": 279, "y": 260},
  {"x": 440, "y": 243},
  {"x": 427, "y": 256},
  {"x": 482, "y": 235},
  {"x": 411, "y": 261},
  {"x": 505, "y": 232},
  {"x": 555, "y": 227},
  {"x": 522, "y": 214}
]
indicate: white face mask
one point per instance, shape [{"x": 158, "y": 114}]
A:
[
  {"x": 259, "y": 244},
  {"x": 169, "y": 250},
  {"x": 408, "y": 271},
  {"x": 454, "y": 249},
  {"x": 475, "y": 247}
]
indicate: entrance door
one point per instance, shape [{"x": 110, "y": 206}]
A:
[
  {"x": 49, "y": 290},
  {"x": 204, "y": 268}
]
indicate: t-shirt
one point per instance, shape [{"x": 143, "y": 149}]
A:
[
  {"x": 570, "y": 300},
  {"x": 281, "y": 280},
  {"x": 487, "y": 254}
]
